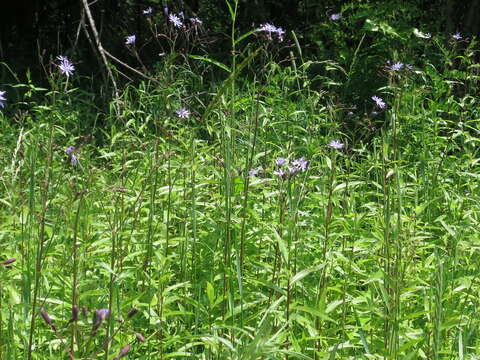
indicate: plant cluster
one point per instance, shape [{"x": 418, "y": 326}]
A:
[{"x": 284, "y": 209}]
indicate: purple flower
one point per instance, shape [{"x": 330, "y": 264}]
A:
[
  {"x": 335, "y": 17},
  {"x": 301, "y": 164},
  {"x": 280, "y": 173},
  {"x": 379, "y": 102},
  {"x": 396, "y": 66},
  {"x": 130, "y": 40},
  {"x": 457, "y": 36},
  {"x": 292, "y": 170},
  {"x": 336, "y": 144},
  {"x": 270, "y": 30},
  {"x": 45, "y": 316},
  {"x": 62, "y": 58},
  {"x": 3, "y": 99},
  {"x": 124, "y": 351},
  {"x": 175, "y": 20},
  {"x": 73, "y": 160},
  {"x": 140, "y": 337},
  {"x": 99, "y": 316},
  {"x": 280, "y": 161},
  {"x": 74, "y": 314},
  {"x": 196, "y": 21},
  {"x": 165, "y": 11},
  {"x": 428, "y": 36},
  {"x": 8, "y": 261},
  {"x": 148, "y": 11},
  {"x": 132, "y": 312},
  {"x": 69, "y": 150},
  {"x": 296, "y": 166},
  {"x": 66, "y": 67},
  {"x": 183, "y": 113},
  {"x": 254, "y": 172},
  {"x": 280, "y": 33}
]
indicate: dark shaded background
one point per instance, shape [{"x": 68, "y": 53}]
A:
[{"x": 33, "y": 32}]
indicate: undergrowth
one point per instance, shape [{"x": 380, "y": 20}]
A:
[{"x": 283, "y": 210}]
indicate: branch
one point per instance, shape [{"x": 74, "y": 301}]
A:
[
  {"x": 131, "y": 68},
  {"x": 100, "y": 48}
]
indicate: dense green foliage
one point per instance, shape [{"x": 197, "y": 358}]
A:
[{"x": 311, "y": 198}]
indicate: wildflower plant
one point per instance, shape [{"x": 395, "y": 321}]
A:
[
  {"x": 177, "y": 32},
  {"x": 287, "y": 170},
  {"x": 230, "y": 251},
  {"x": 88, "y": 348}
]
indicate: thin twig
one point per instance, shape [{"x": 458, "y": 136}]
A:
[
  {"x": 100, "y": 48},
  {"x": 130, "y": 68}
]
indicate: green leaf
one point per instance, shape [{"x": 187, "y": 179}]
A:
[
  {"x": 226, "y": 83},
  {"x": 282, "y": 246},
  {"x": 329, "y": 162},
  {"x": 300, "y": 275},
  {"x": 313, "y": 311},
  {"x": 244, "y": 36},
  {"x": 420, "y": 34},
  {"x": 230, "y": 10},
  {"x": 361, "y": 332},
  {"x": 382, "y": 27},
  {"x": 210, "y": 293},
  {"x": 211, "y": 61}
]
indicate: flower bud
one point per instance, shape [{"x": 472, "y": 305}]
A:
[
  {"x": 98, "y": 316},
  {"x": 124, "y": 351},
  {"x": 74, "y": 313},
  {"x": 9, "y": 261},
  {"x": 46, "y": 317},
  {"x": 140, "y": 337},
  {"x": 132, "y": 312}
]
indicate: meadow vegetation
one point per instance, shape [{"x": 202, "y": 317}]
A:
[{"x": 269, "y": 205}]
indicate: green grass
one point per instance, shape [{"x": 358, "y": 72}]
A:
[{"x": 371, "y": 253}]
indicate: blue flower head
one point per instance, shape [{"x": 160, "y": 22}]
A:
[
  {"x": 130, "y": 40},
  {"x": 66, "y": 67},
  {"x": 336, "y": 144},
  {"x": 3, "y": 99}
]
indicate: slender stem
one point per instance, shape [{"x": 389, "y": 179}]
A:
[
  {"x": 41, "y": 239},
  {"x": 75, "y": 269},
  {"x": 249, "y": 164}
]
